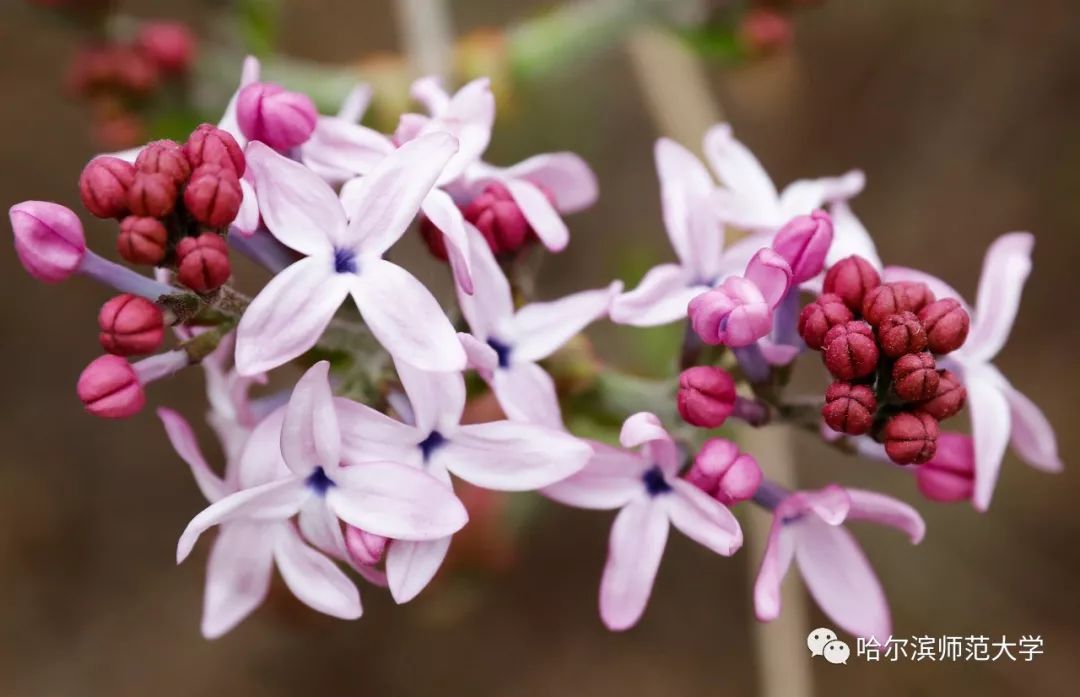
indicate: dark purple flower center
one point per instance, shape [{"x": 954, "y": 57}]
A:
[
  {"x": 502, "y": 351},
  {"x": 318, "y": 482},
  {"x": 344, "y": 261},
  {"x": 433, "y": 442},
  {"x": 655, "y": 482}
]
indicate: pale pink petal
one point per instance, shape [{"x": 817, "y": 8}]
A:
[
  {"x": 775, "y": 562},
  {"x": 1005, "y": 270},
  {"x": 274, "y": 501},
  {"x": 990, "y": 428},
  {"x": 610, "y": 479},
  {"x": 660, "y": 298},
  {"x": 840, "y": 579},
  {"x": 745, "y": 213},
  {"x": 405, "y": 317},
  {"x": 491, "y": 302},
  {"x": 803, "y": 196},
  {"x": 441, "y": 210},
  {"x": 538, "y": 329},
  {"x": 850, "y": 237},
  {"x": 885, "y": 510},
  {"x": 298, "y": 207},
  {"x": 940, "y": 289},
  {"x": 313, "y": 578},
  {"x": 702, "y": 518},
  {"x": 737, "y": 167},
  {"x": 356, "y": 102},
  {"x": 527, "y": 393},
  {"x": 247, "y": 219},
  {"x": 260, "y": 459},
  {"x": 771, "y": 274},
  {"x": 1033, "y": 437},
  {"x": 684, "y": 185},
  {"x": 187, "y": 447},
  {"x": 309, "y": 436},
  {"x": 237, "y": 575},
  {"x": 564, "y": 175},
  {"x": 512, "y": 456},
  {"x": 339, "y": 150},
  {"x": 479, "y": 355},
  {"x": 831, "y": 503},
  {"x": 321, "y": 528},
  {"x": 469, "y": 116},
  {"x": 249, "y": 73},
  {"x": 410, "y": 566},
  {"x": 387, "y": 198},
  {"x": 645, "y": 429},
  {"x": 635, "y": 548},
  {"x": 395, "y": 501},
  {"x": 778, "y": 354},
  {"x": 371, "y": 436},
  {"x": 429, "y": 91},
  {"x": 543, "y": 218},
  {"x": 437, "y": 399},
  {"x": 289, "y": 314}
]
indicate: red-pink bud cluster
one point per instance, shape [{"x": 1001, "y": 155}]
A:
[
  {"x": 496, "y": 215},
  {"x": 879, "y": 340},
  {"x": 724, "y": 473}
]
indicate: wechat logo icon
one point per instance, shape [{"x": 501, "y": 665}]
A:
[{"x": 823, "y": 642}]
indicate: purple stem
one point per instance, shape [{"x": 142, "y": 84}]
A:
[
  {"x": 769, "y": 495},
  {"x": 753, "y": 363},
  {"x": 161, "y": 365},
  {"x": 122, "y": 278},
  {"x": 263, "y": 249}
]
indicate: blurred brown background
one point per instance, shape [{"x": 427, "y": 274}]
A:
[{"x": 964, "y": 116}]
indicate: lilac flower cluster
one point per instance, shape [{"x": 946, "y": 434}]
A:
[{"x": 355, "y": 466}]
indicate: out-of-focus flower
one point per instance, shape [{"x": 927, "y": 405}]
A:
[
  {"x": 170, "y": 45},
  {"x": 651, "y": 498}
]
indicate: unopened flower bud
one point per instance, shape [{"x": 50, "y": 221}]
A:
[
  {"x": 915, "y": 377},
  {"x": 104, "y": 184},
  {"x": 202, "y": 263},
  {"x": 946, "y": 323},
  {"x": 152, "y": 194},
  {"x": 893, "y": 298},
  {"x": 851, "y": 278},
  {"x": 803, "y": 243},
  {"x": 130, "y": 325},
  {"x": 142, "y": 240},
  {"x": 950, "y": 397},
  {"x": 849, "y": 408},
  {"x": 164, "y": 157},
  {"x": 911, "y": 437},
  {"x": 916, "y": 294},
  {"x": 817, "y": 318},
  {"x": 169, "y": 45},
  {"x": 276, "y": 116},
  {"x": 949, "y": 476},
  {"x": 110, "y": 388},
  {"x": 213, "y": 196},
  {"x": 721, "y": 471},
  {"x": 706, "y": 396},
  {"x": 850, "y": 350},
  {"x": 364, "y": 548},
  {"x": 209, "y": 144},
  {"x": 49, "y": 239},
  {"x": 900, "y": 334},
  {"x": 497, "y": 216}
]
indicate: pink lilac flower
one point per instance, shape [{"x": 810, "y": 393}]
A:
[
  {"x": 343, "y": 255},
  {"x": 650, "y": 496},
  {"x": 506, "y": 344},
  {"x": 383, "y": 497},
  {"x": 501, "y": 455},
  {"x": 739, "y": 311},
  {"x": 808, "y": 527},
  {"x": 1000, "y": 414},
  {"x": 748, "y": 198}
]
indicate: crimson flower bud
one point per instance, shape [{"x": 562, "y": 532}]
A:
[
  {"x": 706, "y": 396},
  {"x": 202, "y": 263},
  {"x": 901, "y": 333},
  {"x": 213, "y": 195},
  {"x": 803, "y": 243},
  {"x": 946, "y": 323},
  {"x": 949, "y": 476},
  {"x": 850, "y": 350},
  {"x": 849, "y": 408},
  {"x": 917, "y": 295},
  {"x": 164, "y": 157},
  {"x": 851, "y": 278},
  {"x": 365, "y": 548},
  {"x": 152, "y": 194},
  {"x": 893, "y": 298},
  {"x": 722, "y": 472},
  {"x": 950, "y": 397},
  {"x": 915, "y": 377},
  {"x": 110, "y": 388},
  {"x": 130, "y": 325},
  {"x": 142, "y": 240},
  {"x": 817, "y": 318},
  {"x": 169, "y": 45},
  {"x": 208, "y": 144},
  {"x": 104, "y": 184},
  {"x": 911, "y": 437},
  {"x": 499, "y": 219},
  {"x": 276, "y": 116}
]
